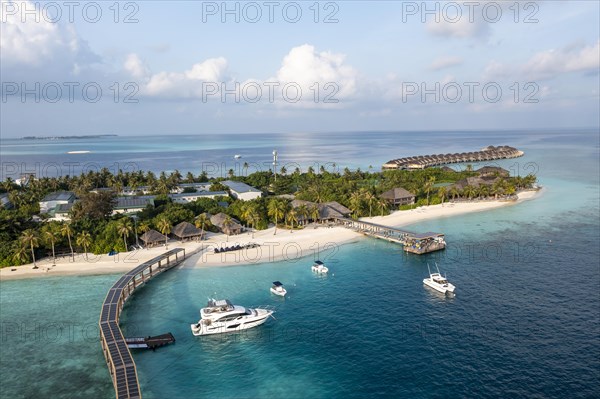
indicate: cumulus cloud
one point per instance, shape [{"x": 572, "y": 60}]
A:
[
  {"x": 34, "y": 42},
  {"x": 184, "y": 84},
  {"x": 550, "y": 63},
  {"x": 445, "y": 62}
]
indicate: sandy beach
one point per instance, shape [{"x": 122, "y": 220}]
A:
[{"x": 285, "y": 245}]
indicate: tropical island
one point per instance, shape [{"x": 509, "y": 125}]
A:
[
  {"x": 102, "y": 213},
  {"x": 93, "y": 136}
]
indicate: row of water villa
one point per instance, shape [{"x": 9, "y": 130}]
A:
[{"x": 489, "y": 153}]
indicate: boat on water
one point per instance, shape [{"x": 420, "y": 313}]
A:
[
  {"x": 278, "y": 289},
  {"x": 438, "y": 282},
  {"x": 79, "y": 152},
  {"x": 237, "y": 156},
  {"x": 319, "y": 267},
  {"x": 221, "y": 316}
]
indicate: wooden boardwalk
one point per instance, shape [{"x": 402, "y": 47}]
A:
[
  {"x": 417, "y": 243},
  {"x": 114, "y": 346}
]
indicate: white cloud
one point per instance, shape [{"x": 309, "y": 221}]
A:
[
  {"x": 136, "y": 68},
  {"x": 568, "y": 59},
  {"x": 549, "y": 63},
  {"x": 445, "y": 62},
  {"x": 36, "y": 42}
]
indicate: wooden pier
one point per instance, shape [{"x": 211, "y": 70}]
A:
[
  {"x": 114, "y": 345},
  {"x": 413, "y": 242}
]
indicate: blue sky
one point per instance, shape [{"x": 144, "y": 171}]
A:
[{"x": 370, "y": 69}]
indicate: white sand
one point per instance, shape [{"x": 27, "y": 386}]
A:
[{"x": 285, "y": 245}]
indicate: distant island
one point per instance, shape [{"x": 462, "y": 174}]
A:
[{"x": 95, "y": 136}]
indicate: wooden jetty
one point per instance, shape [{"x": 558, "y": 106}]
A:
[
  {"x": 150, "y": 342},
  {"x": 114, "y": 346},
  {"x": 413, "y": 242},
  {"x": 489, "y": 153}
]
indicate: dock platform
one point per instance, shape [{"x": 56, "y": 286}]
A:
[
  {"x": 416, "y": 243},
  {"x": 150, "y": 342},
  {"x": 114, "y": 345}
]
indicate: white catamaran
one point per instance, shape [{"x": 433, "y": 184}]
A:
[{"x": 438, "y": 283}]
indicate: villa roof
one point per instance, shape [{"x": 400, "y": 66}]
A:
[
  {"x": 152, "y": 236},
  {"x": 199, "y": 194},
  {"x": 133, "y": 202},
  {"x": 63, "y": 208},
  {"x": 186, "y": 229},
  {"x": 240, "y": 187},
  {"x": 219, "y": 218},
  {"x": 397, "y": 193},
  {"x": 338, "y": 207},
  {"x": 60, "y": 196}
]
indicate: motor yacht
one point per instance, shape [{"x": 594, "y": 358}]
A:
[
  {"x": 278, "y": 289},
  {"x": 319, "y": 267},
  {"x": 222, "y": 316}
]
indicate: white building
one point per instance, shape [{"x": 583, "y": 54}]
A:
[
  {"x": 51, "y": 200},
  {"x": 129, "y": 205},
  {"x": 184, "y": 198},
  {"x": 242, "y": 191}
]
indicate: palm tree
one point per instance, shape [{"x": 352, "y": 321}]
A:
[
  {"x": 201, "y": 221},
  {"x": 303, "y": 212},
  {"x": 292, "y": 216},
  {"x": 164, "y": 225},
  {"x": 314, "y": 213},
  {"x": 428, "y": 186},
  {"x": 124, "y": 227},
  {"x": 355, "y": 203},
  {"x": 276, "y": 210},
  {"x": 245, "y": 167},
  {"x": 469, "y": 191},
  {"x": 454, "y": 192},
  {"x": 66, "y": 230},
  {"x": 383, "y": 205},
  {"x": 442, "y": 191},
  {"x": 84, "y": 239},
  {"x": 20, "y": 255},
  {"x": 144, "y": 227},
  {"x": 30, "y": 238},
  {"x": 49, "y": 236},
  {"x": 370, "y": 198},
  {"x": 227, "y": 223}
]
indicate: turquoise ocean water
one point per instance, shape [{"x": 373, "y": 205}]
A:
[{"x": 525, "y": 321}]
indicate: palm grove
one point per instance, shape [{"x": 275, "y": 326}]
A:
[{"x": 92, "y": 228}]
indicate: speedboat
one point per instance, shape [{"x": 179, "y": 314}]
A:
[
  {"x": 237, "y": 156},
  {"x": 319, "y": 267},
  {"x": 278, "y": 289},
  {"x": 439, "y": 282},
  {"x": 221, "y": 317}
]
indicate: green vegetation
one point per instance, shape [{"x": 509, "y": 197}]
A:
[{"x": 27, "y": 236}]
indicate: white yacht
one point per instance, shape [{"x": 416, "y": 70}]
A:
[
  {"x": 221, "y": 316},
  {"x": 319, "y": 267},
  {"x": 278, "y": 289},
  {"x": 439, "y": 283},
  {"x": 237, "y": 156}
]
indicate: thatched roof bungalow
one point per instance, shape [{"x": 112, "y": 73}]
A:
[
  {"x": 152, "y": 238},
  {"x": 399, "y": 196},
  {"x": 218, "y": 220},
  {"x": 187, "y": 231}
]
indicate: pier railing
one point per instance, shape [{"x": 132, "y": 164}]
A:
[{"x": 118, "y": 357}]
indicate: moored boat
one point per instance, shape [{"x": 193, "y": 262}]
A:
[
  {"x": 222, "y": 316},
  {"x": 319, "y": 267},
  {"x": 278, "y": 289},
  {"x": 438, "y": 282}
]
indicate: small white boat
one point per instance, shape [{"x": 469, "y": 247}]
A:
[
  {"x": 237, "y": 156},
  {"x": 278, "y": 289},
  {"x": 221, "y": 317},
  {"x": 439, "y": 282},
  {"x": 79, "y": 152},
  {"x": 319, "y": 267}
]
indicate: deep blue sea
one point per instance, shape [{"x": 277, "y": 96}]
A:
[{"x": 525, "y": 322}]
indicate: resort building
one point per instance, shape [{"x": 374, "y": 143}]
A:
[
  {"x": 220, "y": 221},
  {"x": 327, "y": 211},
  {"x": 399, "y": 196},
  {"x": 242, "y": 191},
  {"x": 152, "y": 238},
  {"x": 186, "y": 231},
  {"x": 51, "y": 200},
  {"x": 184, "y": 198},
  {"x": 492, "y": 171},
  {"x": 192, "y": 186},
  {"x": 129, "y": 205},
  {"x": 61, "y": 212},
  {"x": 5, "y": 201}
]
